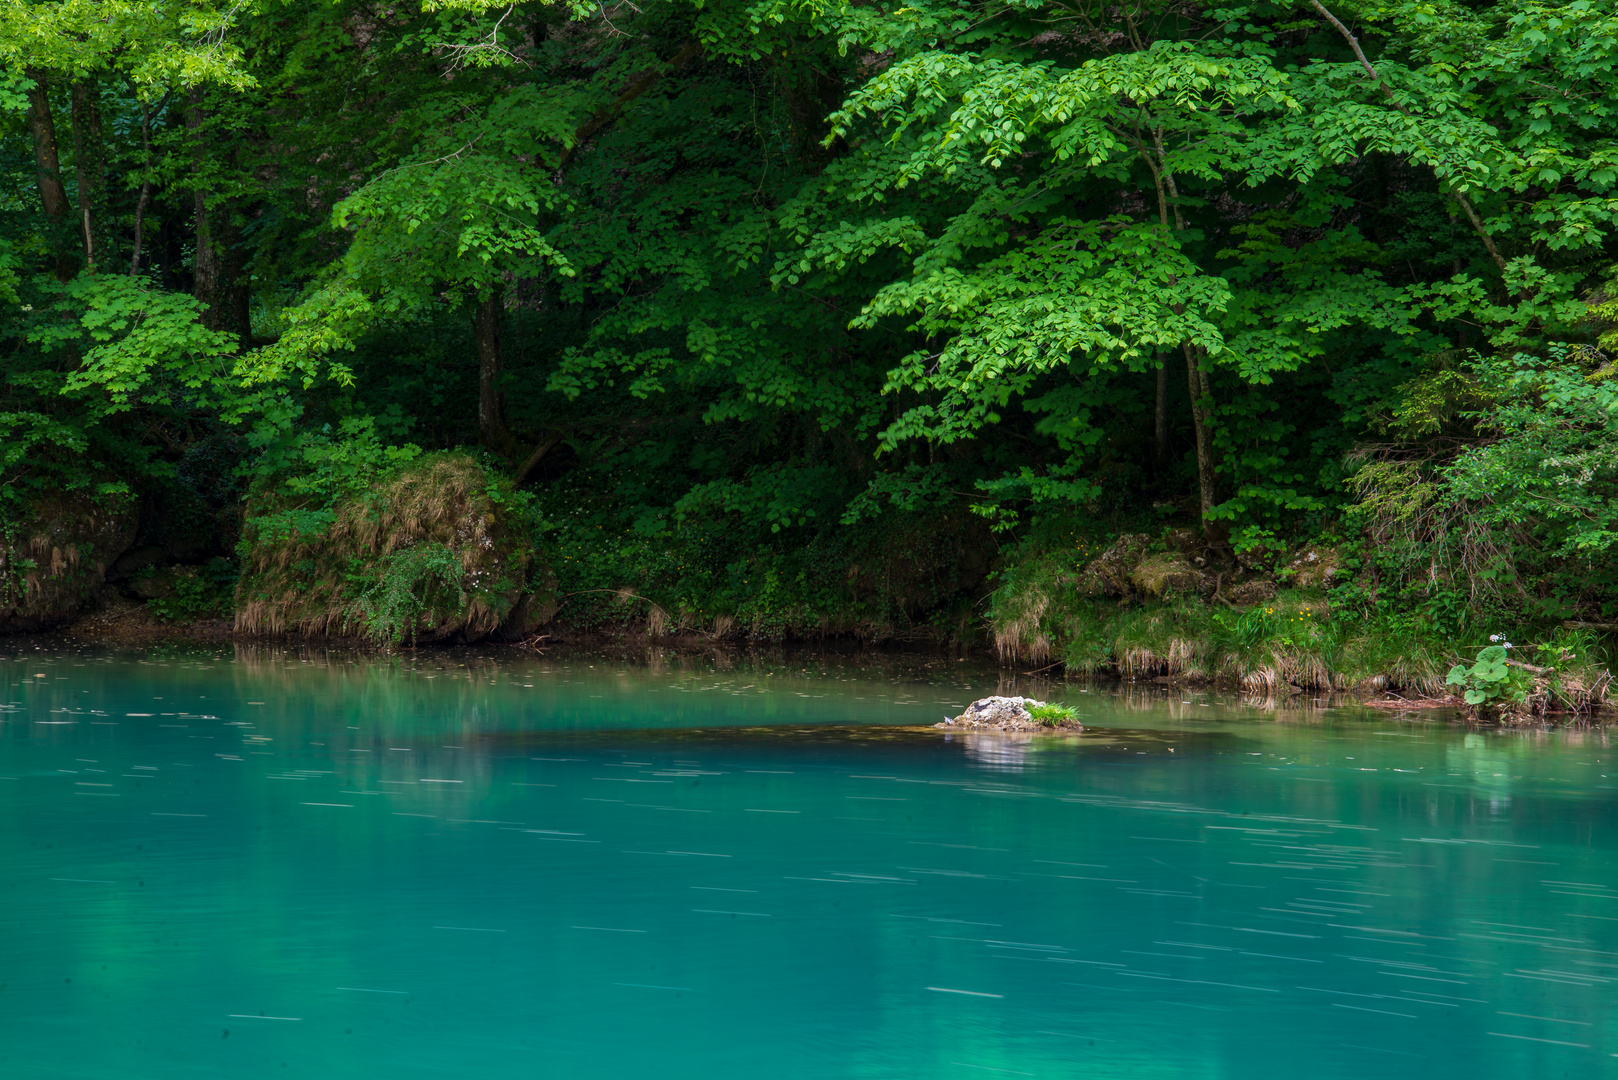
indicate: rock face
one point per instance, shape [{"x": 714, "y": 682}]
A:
[
  {"x": 1006, "y": 714},
  {"x": 56, "y": 559}
]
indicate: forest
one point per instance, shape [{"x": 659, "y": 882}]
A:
[{"x": 1154, "y": 338}]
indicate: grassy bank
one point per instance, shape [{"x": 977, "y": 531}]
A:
[
  {"x": 1298, "y": 621},
  {"x": 441, "y": 549}
]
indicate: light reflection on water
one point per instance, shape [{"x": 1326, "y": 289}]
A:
[{"x": 273, "y": 863}]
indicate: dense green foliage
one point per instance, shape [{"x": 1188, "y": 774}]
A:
[{"x": 814, "y": 318}]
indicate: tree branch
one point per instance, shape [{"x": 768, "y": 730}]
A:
[
  {"x": 607, "y": 115},
  {"x": 1359, "y": 53},
  {"x": 545, "y": 446}
]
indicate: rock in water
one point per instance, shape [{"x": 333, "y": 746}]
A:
[{"x": 1008, "y": 714}]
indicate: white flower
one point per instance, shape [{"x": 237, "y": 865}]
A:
[{"x": 1494, "y": 637}]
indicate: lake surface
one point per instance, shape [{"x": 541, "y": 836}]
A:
[{"x": 262, "y": 863}]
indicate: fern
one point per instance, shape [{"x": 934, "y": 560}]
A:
[{"x": 410, "y": 584}]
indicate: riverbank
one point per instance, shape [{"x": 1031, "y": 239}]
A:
[
  {"x": 129, "y": 626},
  {"x": 446, "y": 552}
]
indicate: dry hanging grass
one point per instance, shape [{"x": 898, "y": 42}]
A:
[{"x": 428, "y": 555}]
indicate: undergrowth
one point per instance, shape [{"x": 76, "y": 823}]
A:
[
  {"x": 904, "y": 577},
  {"x": 205, "y": 592}
]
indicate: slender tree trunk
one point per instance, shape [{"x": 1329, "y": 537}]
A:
[
  {"x": 146, "y": 181},
  {"x": 1196, "y": 378},
  {"x": 491, "y": 402},
  {"x": 217, "y": 278},
  {"x": 47, "y": 165},
  {"x": 1197, "y": 383},
  {"x": 89, "y": 161},
  {"x": 206, "y": 271},
  {"x": 1160, "y": 433}
]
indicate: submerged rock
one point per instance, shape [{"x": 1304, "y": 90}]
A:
[{"x": 1012, "y": 714}]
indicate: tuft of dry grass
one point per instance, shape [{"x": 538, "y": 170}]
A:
[{"x": 307, "y": 579}]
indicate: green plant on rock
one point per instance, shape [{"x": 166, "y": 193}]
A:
[
  {"x": 1491, "y": 682},
  {"x": 1047, "y": 715},
  {"x": 410, "y": 584}
]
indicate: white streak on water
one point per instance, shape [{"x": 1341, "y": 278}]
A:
[
  {"x": 1553, "y": 1042},
  {"x": 968, "y": 993}
]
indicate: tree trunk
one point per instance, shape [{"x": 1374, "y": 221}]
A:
[
  {"x": 89, "y": 154},
  {"x": 47, "y": 166},
  {"x": 206, "y": 271},
  {"x": 1160, "y": 433},
  {"x": 1197, "y": 382},
  {"x": 491, "y": 403},
  {"x": 217, "y": 279},
  {"x": 145, "y": 199}
]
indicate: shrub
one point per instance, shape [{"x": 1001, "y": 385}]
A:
[{"x": 202, "y": 593}]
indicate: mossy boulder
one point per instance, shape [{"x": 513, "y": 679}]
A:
[
  {"x": 1313, "y": 569},
  {"x": 1189, "y": 542},
  {"x": 1169, "y": 573},
  {"x": 1110, "y": 573},
  {"x": 437, "y": 551},
  {"x": 1259, "y": 590},
  {"x": 54, "y": 560},
  {"x": 1014, "y": 714}
]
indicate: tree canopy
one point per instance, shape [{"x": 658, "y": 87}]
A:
[{"x": 765, "y": 273}]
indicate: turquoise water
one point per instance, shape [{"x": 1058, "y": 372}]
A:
[{"x": 459, "y": 865}]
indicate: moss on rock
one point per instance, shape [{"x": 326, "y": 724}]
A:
[
  {"x": 1169, "y": 573},
  {"x": 436, "y": 552},
  {"x": 1312, "y": 569},
  {"x": 1108, "y": 574},
  {"x": 54, "y": 559}
]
